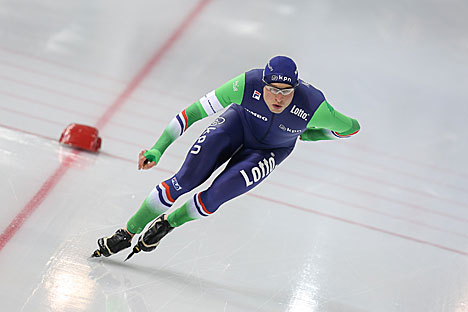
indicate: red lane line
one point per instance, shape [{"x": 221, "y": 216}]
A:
[
  {"x": 52, "y": 181},
  {"x": 366, "y": 226},
  {"x": 37, "y": 199},
  {"x": 147, "y": 68}
]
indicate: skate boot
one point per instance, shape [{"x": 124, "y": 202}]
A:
[
  {"x": 151, "y": 238},
  {"x": 113, "y": 244}
]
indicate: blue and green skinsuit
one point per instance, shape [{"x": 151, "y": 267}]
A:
[{"x": 248, "y": 135}]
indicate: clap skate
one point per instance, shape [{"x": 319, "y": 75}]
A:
[
  {"x": 151, "y": 238},
  {"x": 113, "y": 244}
]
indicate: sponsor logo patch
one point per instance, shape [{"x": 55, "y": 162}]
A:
[
  {"x": 284, "y": 78},
  {"x": 235, "y": 84},
  {"x": 176, "y": 184},
  {"x": 256, "y": 95},
  {"x": 264, "y": 168},
  {"x": 256, "y": 115},
  {"x": 218, "y": 121},
  {"x": 299, "y": 112},
  {"x": 196, "y": 148},
  {"x": 287, "y": 129},
  {"x": 280, "y": 78}
]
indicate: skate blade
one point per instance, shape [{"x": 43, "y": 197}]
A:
[
  {"x": 135, "y": 250},
  {"x": 129, "y": 256},
  {"x": 96, "y": 254}
]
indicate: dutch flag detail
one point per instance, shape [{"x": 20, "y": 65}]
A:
[
  {"x": 182, "y": 119},
  {"x": 343, "y": 136},
  {"x": 164, "y": 194},
  {"x": 200, "y": 206}
]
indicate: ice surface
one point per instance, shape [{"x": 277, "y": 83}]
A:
[{"x": 377, "y": 222}]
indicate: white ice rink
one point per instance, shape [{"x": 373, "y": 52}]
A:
[{"x": 378, "y": 222}]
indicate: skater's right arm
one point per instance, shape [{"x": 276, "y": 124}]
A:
[{"x": 216, "y": 100}]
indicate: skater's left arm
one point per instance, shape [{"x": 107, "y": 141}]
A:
[{"x": 328, "y": 124}]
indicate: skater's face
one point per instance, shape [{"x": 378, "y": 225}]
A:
[{"x": 278, "y": 96}]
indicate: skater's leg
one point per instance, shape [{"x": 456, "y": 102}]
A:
[
  {"x": 158, "y": 201},
  {"x": 214, "y": 147},
  {"x": 153, "y": 205},
  {"x": 246, "y": 170}
]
